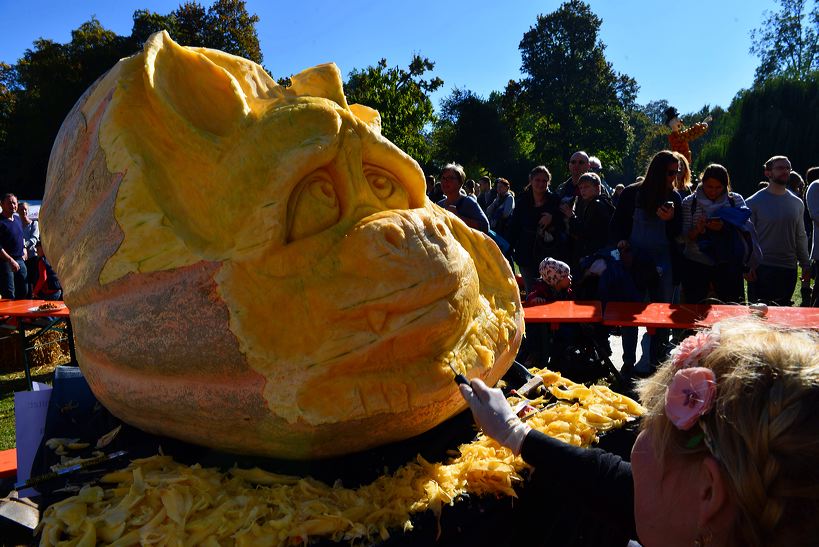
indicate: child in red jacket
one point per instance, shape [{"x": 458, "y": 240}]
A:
[
  {"x": 554, "y": 283},
  {"x": 46, "y": 284}
]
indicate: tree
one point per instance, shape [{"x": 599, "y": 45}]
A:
[
  {"x": 474, "y": 132},
  {"x": 38, "y": 91},
  {"x": 226, "y": 25},
  {"x": 402, "y": 98},
  {"x": 780, "y": 116},
  {"x": 787, "y": 43},
  {"x": 574, "y": 97}
]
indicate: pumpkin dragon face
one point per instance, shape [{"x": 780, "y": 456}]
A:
[{"x": 255, "y": 268}]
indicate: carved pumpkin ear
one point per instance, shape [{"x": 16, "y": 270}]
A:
[
  {"x": 202, "y": 93},
  {"x": 320, "y": 81},
  {"x": 368, "y": 115}
]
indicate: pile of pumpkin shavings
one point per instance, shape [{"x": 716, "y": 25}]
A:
[{"x": 159, "y": 501}]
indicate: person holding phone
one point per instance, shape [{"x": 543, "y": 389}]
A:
[
  {"x": 647, "y": 221},
  {"x": 702, "y": 225}
]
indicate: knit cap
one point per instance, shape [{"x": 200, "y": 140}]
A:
[{"x": 553, "y": 271}]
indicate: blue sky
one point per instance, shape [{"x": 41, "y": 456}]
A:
[{"x": 691, "y": 54}]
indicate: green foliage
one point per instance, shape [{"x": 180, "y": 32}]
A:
[
  {"x": 787, "y": 43},
  {"x": 477, "y": 130},
  {"x": 574, "y": 99},
  {"x": 570, "y": 98},
  {"x": 780, "y": 116},
  {"x": 226, "y": 25},
  {"x": 38, "y": 91},
  {"x": 402, "y": 98},
  {"x": 650, "y": 136}
]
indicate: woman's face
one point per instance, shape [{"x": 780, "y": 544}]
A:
[
  {"x": 539, "y": 183},
  {"x": 665, "y": 498},
  {"x": 712, "y": 188},
  {"x": 502, "y": 189}
]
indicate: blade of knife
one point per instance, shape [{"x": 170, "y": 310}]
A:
[{"x": 459, "y": 378}]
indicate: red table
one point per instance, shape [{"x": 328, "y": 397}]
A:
[
  {"x": 8, "y": 463},
  {"x": 691, "y": 316},
  {"x": 564, "y": 311},
  {"x": 27, "y": 316}
]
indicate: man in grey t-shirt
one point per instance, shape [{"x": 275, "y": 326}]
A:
[
  {"x": 812, "y": 201},
  {"x": 777, "y": 215}
]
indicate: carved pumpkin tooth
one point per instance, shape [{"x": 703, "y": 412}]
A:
[{"x": 376, "y": 320}]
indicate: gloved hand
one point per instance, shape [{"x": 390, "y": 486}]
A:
[{"x": 494, "y": 415}]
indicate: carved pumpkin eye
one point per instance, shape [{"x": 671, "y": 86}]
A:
[
  {"x": 313, "y": 207},
  {"x": 386, "y": 187}
]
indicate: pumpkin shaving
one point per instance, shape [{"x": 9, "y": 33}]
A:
[{"x": 157, "y": 500}]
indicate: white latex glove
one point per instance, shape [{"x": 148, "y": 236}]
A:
[{"x": 494, "y": 415}]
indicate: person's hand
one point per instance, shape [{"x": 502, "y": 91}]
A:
[
  {"x": 25, "y": 254},
  {"x": 697, "y": 229},
  {"x": 714, "y": 224},
  {"x": 494, "y": 415},
  {"x": 545, "y": 219},
  {"x": 566, "y": 209},
  {"x": 805, "y": 275},
  {"x": 15, "y": 267},
  {"x": 750, "y": 276},
  {"x": 666, "y": 212}
]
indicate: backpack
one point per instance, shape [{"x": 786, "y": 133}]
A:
[{"x": 730, "y": 246}]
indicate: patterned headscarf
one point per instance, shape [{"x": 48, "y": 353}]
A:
[{"x": 553, "y": 271}]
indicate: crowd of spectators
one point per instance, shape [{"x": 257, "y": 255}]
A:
[
  {"x": 24, "y": 269},
  {"x": 679, "y": 238}
]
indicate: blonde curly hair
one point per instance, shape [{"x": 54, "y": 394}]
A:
[{"x": 763, "y": 428}]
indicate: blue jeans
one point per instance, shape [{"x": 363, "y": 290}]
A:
[
  {"x": 13, "y": 285},
  {"x": 648, "y": 236},
  {"x": 773, "y": 285}
]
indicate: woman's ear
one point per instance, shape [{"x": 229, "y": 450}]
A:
[{"x": 716, "y": 507}]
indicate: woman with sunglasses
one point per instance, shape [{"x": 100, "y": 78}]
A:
[{"x": 647, "y": 222}]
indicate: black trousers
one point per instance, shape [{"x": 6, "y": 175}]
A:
[
  {"x": 726, "y": 278},
  {"x": 773, "y": 285}
]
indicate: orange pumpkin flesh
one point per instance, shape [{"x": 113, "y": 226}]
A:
[{"x": 256, "y": 269}]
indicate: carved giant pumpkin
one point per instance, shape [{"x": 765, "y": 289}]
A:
[{"x": 255, "y": 268}]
